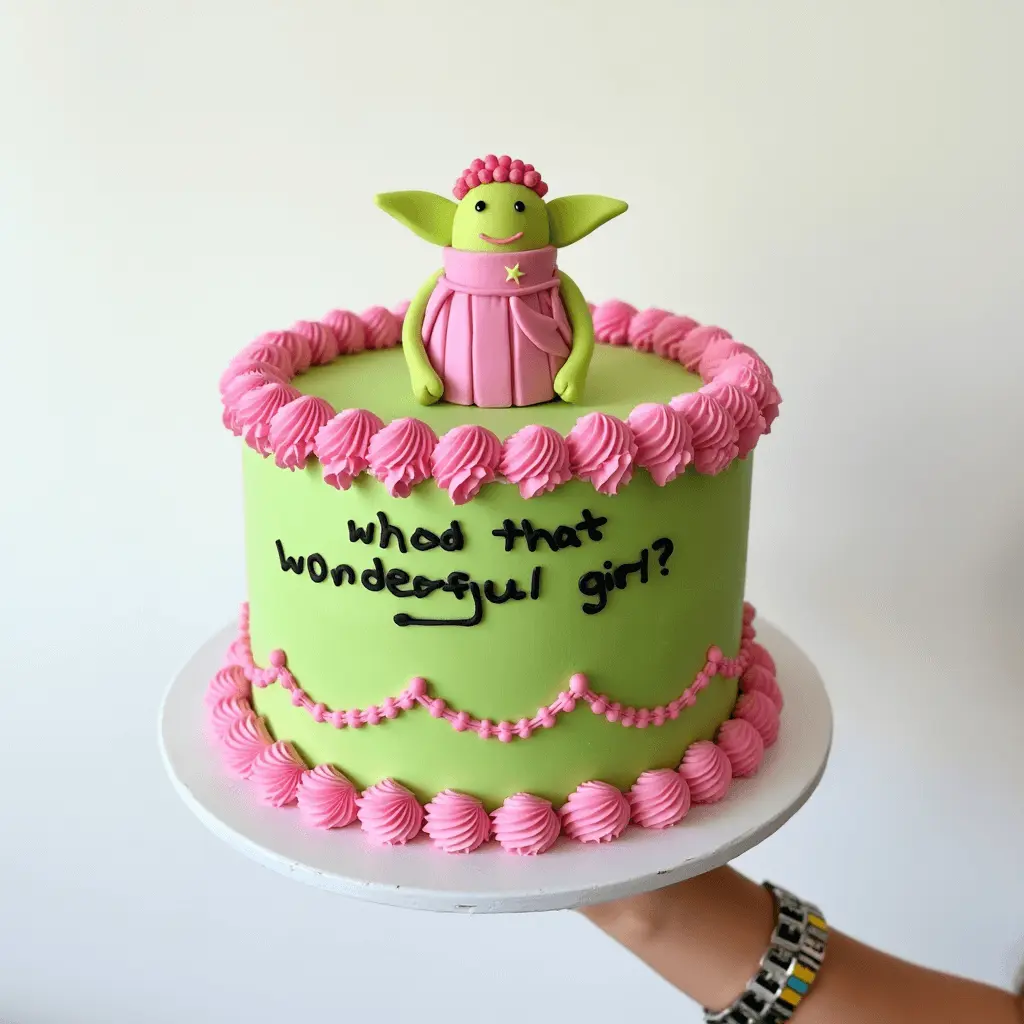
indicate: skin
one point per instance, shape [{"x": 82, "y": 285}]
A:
[
  {"x": 497, "y": 227},
  {"x": 706, "y": 936}
]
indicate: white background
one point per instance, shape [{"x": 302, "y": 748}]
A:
[{"x": 839, "y": 184}]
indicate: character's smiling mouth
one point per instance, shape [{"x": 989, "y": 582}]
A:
[{"x": 502, "y": 241}]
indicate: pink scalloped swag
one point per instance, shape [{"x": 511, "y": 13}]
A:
[
  {"x": 701, "y": 432},
  {"x": 456, "y": 822}
]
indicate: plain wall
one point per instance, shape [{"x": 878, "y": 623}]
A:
[{"x": 839, "y": 184}]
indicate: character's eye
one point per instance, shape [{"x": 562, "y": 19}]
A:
[
  {"x": 480, "y": 206},
  {"x": 519, "y": 206}
]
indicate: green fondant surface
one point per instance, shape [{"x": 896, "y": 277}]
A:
[
  {"x": 643, "y": 649},
  {"x": 619, "y": 380}
]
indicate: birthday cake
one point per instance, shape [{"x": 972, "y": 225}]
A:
[{"x": 496, "y": 542}]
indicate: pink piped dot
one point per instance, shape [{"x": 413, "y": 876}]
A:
[
  {"x": 389, "y": 707},
  {"x": 337, "y": 719},
  {"x": 485, "y": 729},
  {"x": 659, "y": 715},
  {"x": 417, "y": 686},
  {"x": 579, "y": 684},
  {"x": 568, "y": 701},
  {"x": 673, "y": 710},
  {"x": 461, "y": 721},
  {"x": 297, "y": 696},
  {"x": 546, "y": 717},
  {"x": 505, "y": 731},
  {"x": 353, "y": 719},
  {"x": 524, "y": 728},
  {"x": 715, "y": 654},
  {"x": 286, "y": 679},
  {"x": 278, "y": 659},
  {"x": 614, "y": 712},
  {"x": 711, "y": 669},
  {"x": 319, "y": 712},
  {"x": 437, "y": 707},
  {"x": 600, "y": 706},
  {"x": 643, "y": 718},
  {"x": 406, "y": 701},
  {"x": 372, "y": 715}
]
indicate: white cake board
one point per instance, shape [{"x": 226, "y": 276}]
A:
[{"x": 491, "y": 881}]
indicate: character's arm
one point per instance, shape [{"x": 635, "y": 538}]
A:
[
  {"x": 427, "y": 387},
  {"x": 572, "y": 376}
]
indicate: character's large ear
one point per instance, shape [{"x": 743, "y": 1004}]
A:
[
  {"x": 430, "y": 216},
  {"x": 573, "y": 217}
]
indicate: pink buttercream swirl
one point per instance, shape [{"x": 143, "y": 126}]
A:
[
  {"x": 456, "y": 822},
  {"x": 343, "y": 445},
  {"x": 257, "y": 352},
  {"x": 348, "y": 330},
  {"x": 498, "y": 168},
  {"x": 243, "y": 742},
  {"x": 230, "y": 681},
  {"x": 536, "y": 459},
  {"x": 390, "y": 814},
  {"x": 760, "y": 711},
  {"x": 399, "y": 455},
  {"x": 715, "y": 437},
  {"x": 759, "y": 655},
  {"x": 602, "y": 450},
  {"x": 465, "y": 459},
  {"x": 276, "y": 773},
  {"x": 399, "y": 311},
  {"x": 642, "y": 327},
  {"x": 743, "y": 409},
  {"x": 743, "y": 745},
  {"x": 249, "y": 377},
  {"x": 596, "y": 812},
  {"x": 758, "y": 679},
  {"x": 659, "y": 798},
  {"x": 612, "y": 320},
  {"x": 256, "y": 408},
  {"x": 670, "y": 340},
  {"x": 381, "y": 328},
  {"x": 294, "y": 428},
  {"x": 226, "y": 712},
  {"x": 707, "y": 772},
  {"x": 664, "y": 443},
  {"x": 296, "y": 345},
  {"x": 718, "y": 351},
  {"x": 749, "y": 374},
  {"x": 526, "y": 825},
  {"x": 323, "y": 345},
  {"x": 326, "y": 798}
]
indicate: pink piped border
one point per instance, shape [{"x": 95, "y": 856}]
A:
[
  {"x": 724, "y": 365},
  {"x": 595, "y": 812}
]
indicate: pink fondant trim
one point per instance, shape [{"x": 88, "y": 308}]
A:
[
  {"x": 525, "y": 824},
  {"x": 606, "y": 457}
]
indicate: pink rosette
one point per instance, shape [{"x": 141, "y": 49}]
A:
[
  {"x": 760, "y": 711},
  {"x": 323, "y": 345},
  {"x": 456, "y": 822},
  {"x": 271, "y": 355},
  {"x": 664, "y": 445},
  {"x": 602, "y": 450},
  {"x": 226, "y": 712},
  {"x": 390, "y": 814},
  {"x": 276, "y": 774},
  {"x": 642, "y": 327},
  {"x": 293, "y": 430},
  {"x": 526, "y": 825},
  {"x": 248, "y": 377},
  {"x": 244, "y": 741},
  {"x": 536, "y": 459},
  {"x": 381, "y": 328},
  {"x": 343, "y": 445},
  {"x": 758, "y": 679},
  {"x": 296, "y": 345},
  {"x": 256, "y": 409},
  {"x": 659, "y": 798},
  {"x": 611, "y": 321},
  {"x": 743, "y": 745},
  {"x": 326, "y": 798},
  {"x": 399, "y": 455},
  {"x": 751, "y": 375},
  {"x": 399, "y": 311},
  {"x": 348, "y": 329},
  {"x": 707, "y": 772},
  {"x": 759, "y": 655},
  {"x": 595, "y": 813},
  {"x": 715, "y": 437},
  {"x": 230, "y": 681},
  {"x": 670, "y": 340},
  {"x": 465, "y": 459},
  {"x": 743, "y": 409},
  {"x": 718, "y": 351}
]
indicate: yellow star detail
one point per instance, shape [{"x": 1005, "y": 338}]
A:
[{"x": 513, "y": 274}]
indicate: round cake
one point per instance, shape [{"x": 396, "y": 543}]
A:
[{"x": 512, "y": 609}]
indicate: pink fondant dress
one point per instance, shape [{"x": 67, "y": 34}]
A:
[{"x": 495, "y": 329}]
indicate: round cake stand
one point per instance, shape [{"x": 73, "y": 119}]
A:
[{"x": 491, "y": 881}]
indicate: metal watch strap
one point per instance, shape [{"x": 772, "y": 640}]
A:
[{"x": 788, "y": 968}]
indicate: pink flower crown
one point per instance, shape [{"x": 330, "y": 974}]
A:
[{"x": 498, "y": 168}]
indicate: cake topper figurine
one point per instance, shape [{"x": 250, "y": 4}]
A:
[{"x": 499, "y": 324}]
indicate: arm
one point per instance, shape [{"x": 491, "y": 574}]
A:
[
  {"x": 572, "y": 376},
  {"x": 706, "y": 935},
  {"x": 427, "y": 387}
]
